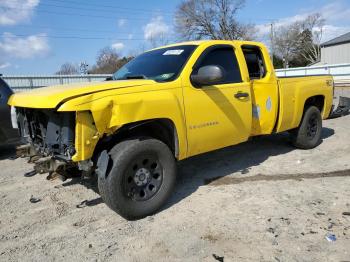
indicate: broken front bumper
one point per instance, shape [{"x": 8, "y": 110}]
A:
[
  {"x": 48, "y": 132},
  {"x": 56, "y": 140},
  {"x": 55, "y": 166}
]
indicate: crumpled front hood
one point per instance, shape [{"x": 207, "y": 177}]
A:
[{"x": 52, "y": 96}]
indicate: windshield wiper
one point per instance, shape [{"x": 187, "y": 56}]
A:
[{"x": 136, "y": 77}]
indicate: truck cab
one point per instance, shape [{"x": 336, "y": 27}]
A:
[
  {"x": 249, "y": 100},
  {"x": 166, "y": 105}
]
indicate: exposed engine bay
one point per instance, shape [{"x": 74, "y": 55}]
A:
[{"x": 50, "y": 133}]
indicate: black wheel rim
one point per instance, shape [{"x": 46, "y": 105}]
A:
[
  {"x": 143, "y": 178},
  {"x": 312, "y": 126}
]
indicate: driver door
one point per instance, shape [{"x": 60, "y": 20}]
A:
[{"x": 218, "y": 115}]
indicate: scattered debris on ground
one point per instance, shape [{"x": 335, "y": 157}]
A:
[{"x": 251, "y": 202}]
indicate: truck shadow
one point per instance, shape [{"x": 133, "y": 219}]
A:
[
  {"x": 207, "y": 168},
  {"x": 8, "y": 151},
  {"x": 214, "y": 167}
]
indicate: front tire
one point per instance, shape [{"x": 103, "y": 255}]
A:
[
  {"x": 141, "y": 179},
  {"x": 308, "y": 134}
]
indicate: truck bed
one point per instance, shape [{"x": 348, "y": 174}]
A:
[{"x": 291, "y": 88}]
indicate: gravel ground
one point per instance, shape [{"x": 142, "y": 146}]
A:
[{"x": 259, "y": 201}]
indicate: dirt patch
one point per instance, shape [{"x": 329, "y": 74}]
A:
[
  {"x": 224, "y": 180},
  {"x": 210, "y": 237},
  {"x": 274, "y": 203}
]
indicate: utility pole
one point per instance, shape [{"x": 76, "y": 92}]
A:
[
  {"x": 83, "y": 66},
  {"x": 272, "y": 38}
]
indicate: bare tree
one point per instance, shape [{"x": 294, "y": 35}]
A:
[
  {"x": 300, "y": 40},
  {"x": 68, "y": 69},
  {"x": 312, "y": 30},
  {"x": 213, "y": 19},
  {"x": 158, "y": 40},
  {"x": 108, "y": 61},
  {"x": 287, "y": 42}
]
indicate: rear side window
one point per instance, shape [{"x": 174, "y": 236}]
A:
[
  {"x": 255, "y": 62},
  {"x": 225, "y": 58}
]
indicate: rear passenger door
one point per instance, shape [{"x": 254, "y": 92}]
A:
[
  {"x": 264, "y": 90},
  {"x": 218, "y": 115}
]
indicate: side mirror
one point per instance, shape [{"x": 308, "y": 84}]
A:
[{"x": 208, "y": 75}]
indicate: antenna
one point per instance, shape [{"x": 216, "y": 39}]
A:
[{"x": 272, "y": 38}]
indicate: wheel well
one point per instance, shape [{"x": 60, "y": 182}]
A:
[
  {"x": 317, "y": 101},
  {"x": 161, "y": 129}
]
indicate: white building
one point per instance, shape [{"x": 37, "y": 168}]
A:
[{"x": 336, "y": 51}]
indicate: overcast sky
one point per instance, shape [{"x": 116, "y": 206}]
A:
[{"x": 37, "y": 36}]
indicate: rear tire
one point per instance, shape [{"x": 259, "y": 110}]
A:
[
  {"x": 141, "y": 179},
  {"x": 308, "y": 134}
]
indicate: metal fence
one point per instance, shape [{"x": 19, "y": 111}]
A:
[
  {"x": 27, "y": 82},
  {"x": 340, "y": 72}
]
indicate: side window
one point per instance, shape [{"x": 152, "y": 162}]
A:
[
  {"x": 225, "y": 58},
  {"x": 255, "y": 62}
]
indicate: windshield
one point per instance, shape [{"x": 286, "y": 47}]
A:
[{"x": 161, "y": 65}]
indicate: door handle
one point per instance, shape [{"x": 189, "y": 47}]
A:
[{"x": 241, "y": 95}]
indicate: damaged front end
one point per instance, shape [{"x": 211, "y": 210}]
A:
[{"x": 49, "y": 138}]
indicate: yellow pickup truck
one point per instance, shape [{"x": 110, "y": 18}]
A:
[{"x": 166, "y": 105}]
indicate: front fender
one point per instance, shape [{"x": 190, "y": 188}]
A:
[{"x": 110, "y": 112}]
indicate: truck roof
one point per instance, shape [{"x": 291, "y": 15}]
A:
[{"x": 199, "y": 42}]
